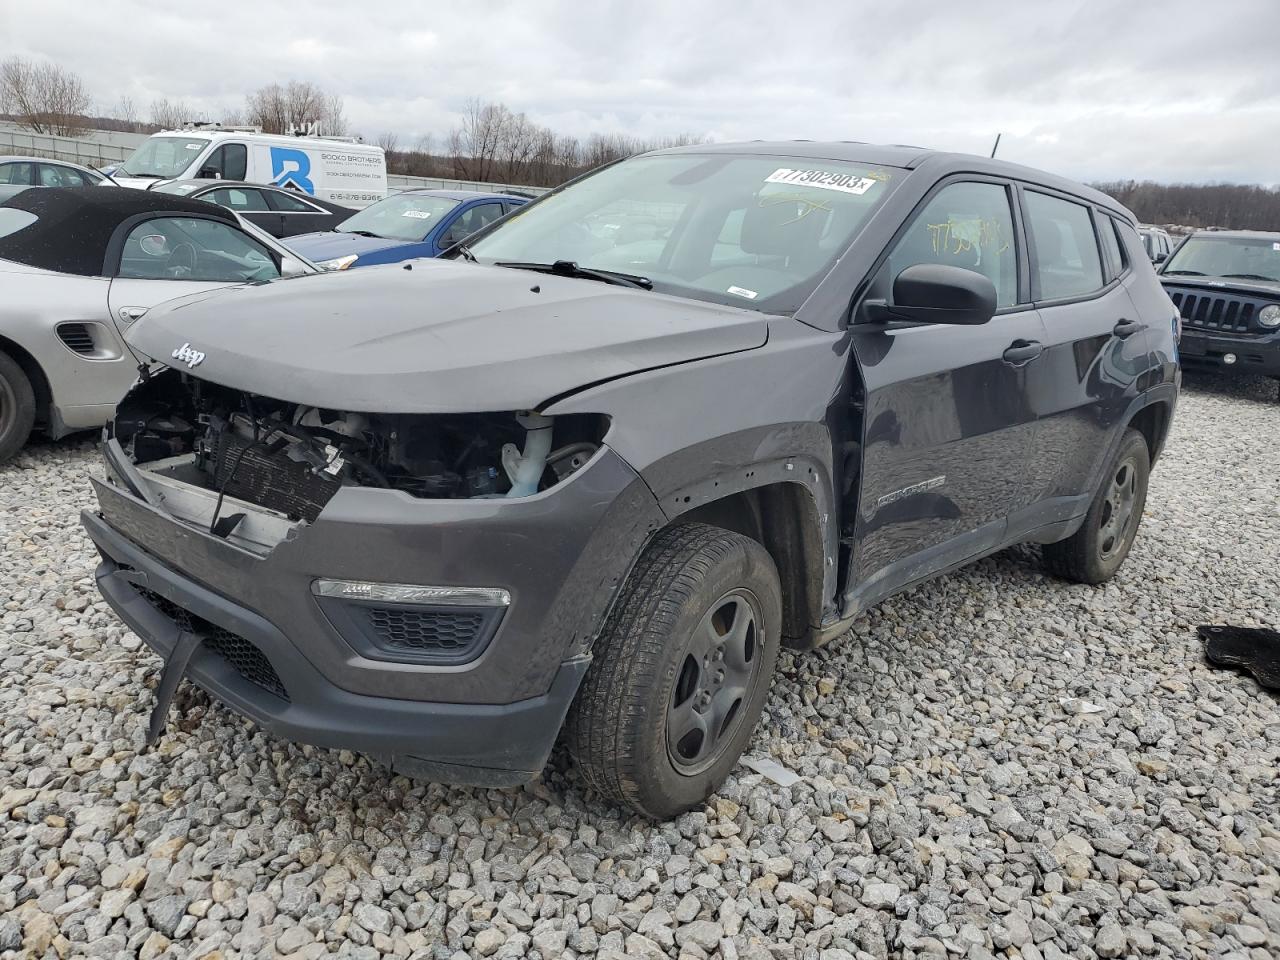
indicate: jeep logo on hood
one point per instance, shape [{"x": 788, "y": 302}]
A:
[{"x": 184, "y": 354}]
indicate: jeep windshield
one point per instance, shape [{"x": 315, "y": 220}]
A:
[
  {"x": 1239, "y": 258},
  {"x": 404, "y": 216},
  {"x": 746, "y": 230},
  {"x": 163, "y": 157}
]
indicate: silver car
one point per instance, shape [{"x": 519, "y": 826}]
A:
[{"x": 77, "y": 267}]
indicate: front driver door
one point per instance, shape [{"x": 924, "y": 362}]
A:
[
  {"x": 947, "y": 427},
  {"x": 155, "y": 263},
  {"x": 468, "y": 222}
]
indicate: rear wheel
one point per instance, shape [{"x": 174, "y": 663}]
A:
[
  {"x": 1094, "y": 553},
  {"x": 681, "y": 671},
  {"x": 17, "y": 407}
]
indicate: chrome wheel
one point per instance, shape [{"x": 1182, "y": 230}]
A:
[
  {"x": 715, "y": 678},
  {"x": 1115, "y": 523}
]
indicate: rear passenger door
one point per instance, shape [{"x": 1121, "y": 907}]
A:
[
  {"x": 948, "y": 429},
  {"x": 250, "y": 204},
  {"x": 297, "y": 215},
  {"x": 1095, "y": 349}
]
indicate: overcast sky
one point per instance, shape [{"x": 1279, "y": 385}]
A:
[{"x": 1092, "y": 89}]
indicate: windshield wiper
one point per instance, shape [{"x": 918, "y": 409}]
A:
[
  {"x": 153, "y": 176},
  {"x": 567, "y": 268},
  {"x": 465, "y": 252},
  {"x": 1251, "y": 276},
  {"x": 364, "y": 233},
  {"x": 1183, "y": 273}
]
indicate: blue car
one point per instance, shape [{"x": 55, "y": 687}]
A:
[{"x": 404, "y": 226}]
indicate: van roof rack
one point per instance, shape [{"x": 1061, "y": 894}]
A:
[{"x": 218, "y": 125}]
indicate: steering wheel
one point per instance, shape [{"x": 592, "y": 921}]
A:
[{"x": 182, "y": 261}]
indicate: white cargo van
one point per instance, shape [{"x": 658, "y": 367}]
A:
[{"x": 341, "y": 170}]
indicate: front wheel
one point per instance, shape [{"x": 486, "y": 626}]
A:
[
  {"x": 681, "y": 671},
  {"x": 17, "y": 407},
  {"x": 1094, "y": 553}
]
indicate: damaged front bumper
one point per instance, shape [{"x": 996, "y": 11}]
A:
[{"x": 306, "y": 667}]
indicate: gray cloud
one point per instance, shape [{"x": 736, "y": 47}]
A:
[{"x": 1166, "y": 90}]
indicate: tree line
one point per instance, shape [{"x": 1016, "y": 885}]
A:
[
  {"x": 1237, "y": 206},
  {"x": 495, "y": 144}
]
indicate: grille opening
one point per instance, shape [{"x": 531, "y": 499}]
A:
[
  {"x": 428, "y": 630},
  {"x": 77, "y": 337},
  {"x": 243, "y": 656},
  {"x": 1215, "y": 312}
]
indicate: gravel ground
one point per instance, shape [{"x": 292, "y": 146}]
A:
[{"x": 994, "y": 764}]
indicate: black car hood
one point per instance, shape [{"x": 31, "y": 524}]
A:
[
  {"x": 1254, "y": 288},
  {"x": 441, "y": 337}
]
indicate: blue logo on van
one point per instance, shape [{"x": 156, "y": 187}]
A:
[{"x": 291, "y": 168}]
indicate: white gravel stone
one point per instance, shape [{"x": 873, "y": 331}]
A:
[{"x": 947, "y": 800}]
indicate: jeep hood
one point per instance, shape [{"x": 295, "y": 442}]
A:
[
  {"x": 435, "y": 336},
  {"x": 1219, "y": 284}
]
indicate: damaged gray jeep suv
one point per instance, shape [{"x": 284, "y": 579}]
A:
[{"x": 586, "y": 474}]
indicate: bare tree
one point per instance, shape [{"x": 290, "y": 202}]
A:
[
  {"x": 170, "y": 114},
  {"x": 126, "y": 111},
  {"x": 297, "y": 106},
  {"x": 475, "y": 143},
  {"x": 492, "y": 143},
  {"x": 388, "y": 142},
  {"x": 43, "y": 97}
]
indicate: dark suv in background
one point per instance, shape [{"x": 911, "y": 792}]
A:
[
  {"x": 593, "y": 468},
  {"x": 1226, "y": 286}
]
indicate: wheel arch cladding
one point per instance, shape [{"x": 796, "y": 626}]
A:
[
  {"x": 1152, "y": 421},
  {"x": 782, "y": 517},
  {"x": 35, "y": 373}
]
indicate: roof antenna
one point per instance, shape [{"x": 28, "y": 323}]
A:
[{"x": 997, "y": 145}]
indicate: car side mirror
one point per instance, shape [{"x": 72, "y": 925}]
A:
[
  {"x": 292, "y": 267},
  {"x": 209, "y": 173},
  {"x": 937, "y": 293}
]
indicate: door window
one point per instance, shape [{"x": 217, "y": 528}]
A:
[
  {"x": 193, "y": 248},
  {"x": 230, "y": 160},
  {"x": 1067, "y": 263},
  {"x": 241, "y": 199},
  {"x": 968, "y": 225},
  {"x": 17, "y": 173},
  {"x": 481, "y": 215},
  {"x": 56, "y": 175},
  {"x": 287, "y": 203}
]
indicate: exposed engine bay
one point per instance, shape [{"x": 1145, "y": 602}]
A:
[{"x": 291, "y": 458}]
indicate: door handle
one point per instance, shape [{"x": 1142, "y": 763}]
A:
[
  {"x": 130, "y": 314},
  {"x": 1126, "y": 328},
  {"x": 1022, "y": 351}
]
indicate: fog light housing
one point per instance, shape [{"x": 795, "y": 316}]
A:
[
  {"x": 410, "y": 593},
  {"x": 1228, "y": 358},
  {"x": 406, "y": 623}
]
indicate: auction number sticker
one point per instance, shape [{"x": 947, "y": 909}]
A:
[
  {"x": 417, "y": 214},
  {"x": 823, "y": 180}
]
